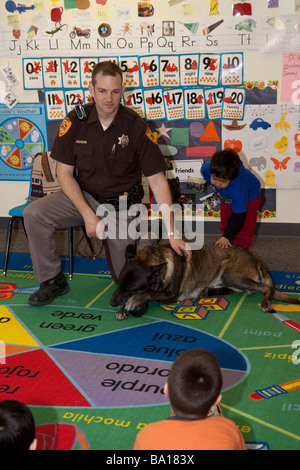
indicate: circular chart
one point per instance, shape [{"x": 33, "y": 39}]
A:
[{"x": 20, "y": 140}]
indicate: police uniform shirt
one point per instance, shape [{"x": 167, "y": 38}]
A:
[{"x": 110, "y": 161}]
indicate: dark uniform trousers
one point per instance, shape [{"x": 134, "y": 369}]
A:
[{"x": 56, "y": 211}]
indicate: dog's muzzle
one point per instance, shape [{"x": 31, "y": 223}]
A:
[{"x": 119, "y": 298}]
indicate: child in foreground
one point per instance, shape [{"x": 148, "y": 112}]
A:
[
  {"x": 17, "y": 427},
  {"x": 239, "y": 192},
  {"x": 194, "y": 386}
]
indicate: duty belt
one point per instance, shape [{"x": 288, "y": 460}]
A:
[
  {"x": 124, "y": 200},
  {"x": 119, "y": 202}
]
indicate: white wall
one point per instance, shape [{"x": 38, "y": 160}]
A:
[{"x": 257, "y": 66}]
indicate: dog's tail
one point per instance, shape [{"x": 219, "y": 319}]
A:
[
  {"x": 289, "y": 299},
  {"x": 281, "y": 296}
]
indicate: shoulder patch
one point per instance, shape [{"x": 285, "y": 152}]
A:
[
  {"x": 65, "y": 126},
  {"x": 150, "y": 135}
]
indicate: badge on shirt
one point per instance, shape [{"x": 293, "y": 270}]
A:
[
  {"x": 123, "y": 140},
  {"x": 65, "y": 126}
]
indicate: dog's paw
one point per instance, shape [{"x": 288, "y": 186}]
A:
[
  {"x": 122, "y": 314},
  {"x": 132, "y": 303},
  {"x": 267, "y": 307},
  {"x": 139, "y": 311}
]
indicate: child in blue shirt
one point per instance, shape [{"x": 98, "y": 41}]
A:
[{"x": 239, "y": 192}]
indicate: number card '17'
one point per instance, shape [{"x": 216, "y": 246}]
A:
[{"x": 174, "y": 104}]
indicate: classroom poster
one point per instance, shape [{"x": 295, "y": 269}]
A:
[{"x": 23, "y": 133}]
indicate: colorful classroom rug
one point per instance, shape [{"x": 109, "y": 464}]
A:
[{"x": 93, "y": 382}]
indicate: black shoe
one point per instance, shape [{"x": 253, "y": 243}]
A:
[{"x": 49, "y": 290}]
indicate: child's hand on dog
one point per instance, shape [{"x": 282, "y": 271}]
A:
[{"x": 223, "y": 242}]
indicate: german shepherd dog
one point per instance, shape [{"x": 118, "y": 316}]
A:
[{"x": 158, "y": 274}]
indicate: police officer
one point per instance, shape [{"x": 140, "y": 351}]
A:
[{"x": 101, "y": 153}]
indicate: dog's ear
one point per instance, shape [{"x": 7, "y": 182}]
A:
[
  {"x": 130, "y": 251},
  {"x": 154, "y": 271},
  {"x": 158, "y": 267}
]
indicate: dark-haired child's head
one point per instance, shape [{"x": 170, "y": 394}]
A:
[
  {"x": 194, "y": 384},
  {"x": 224, "y": 167},
  {"x": 17, "y": 427}
]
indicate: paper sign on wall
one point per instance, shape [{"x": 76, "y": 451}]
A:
[
  {"x": 209, "y": 68},
  {"x": 290, "y": 77},
  {"x": 233, "y": 103},
  {"x": 169, "y": 71},
  {"x": 134, "y": 99},
  {"x": 52, "y": 73},
  {"x": 189, "y": 65},
  {"x": 232, "y": 69},
  {"x": 149, "y": 67},
  {"x": 174, "y": 104},
  {"x": 154, "y": 104},
  {"x": 71, "y": 72},
  {"x": 214, "y": 102},
  {"x": 194, "y": 103}
]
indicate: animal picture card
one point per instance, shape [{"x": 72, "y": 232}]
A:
[
  {"x": 174, "y": 104},
  {"x": 55, "y": 104},
  {"x": 189, "y": 66},
  {"x": 149, "y": 69},
  {"x": 130, "y": 69},
  {"x": 214, "y": 102},
  {"x": 52, "y": 72},
  {"x": 72, "y": 98},
  {"x": 209, "y": 69},
  {"x": 33, "y": 74},
  {"x": 71, "y": 72},
  {"x": 169, "y": 71},
  {"x": 86, "y": 69},
  {"x": 194, "y": 103},
  {"x": 134, "y": 99},
  {"x": 234, "y": 103},
  {"x": 232, "y": 69},
  {"x": 154, "y": 104}
]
